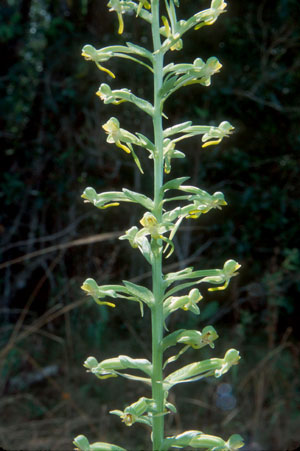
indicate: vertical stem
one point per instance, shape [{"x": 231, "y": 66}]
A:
[{"x": 157, "y": 277}]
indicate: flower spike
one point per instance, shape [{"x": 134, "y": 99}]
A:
[{"x": 154, "y": 235}]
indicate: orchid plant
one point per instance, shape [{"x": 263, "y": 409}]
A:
[{"x": 159, "y": 224}]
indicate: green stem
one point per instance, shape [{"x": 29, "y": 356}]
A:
[{"x": 157, "y": 277}]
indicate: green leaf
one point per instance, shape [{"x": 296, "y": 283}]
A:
[
  {"x": 176, "y": 129},
  {"x": 142, "y": 293},
  {"x": 138, "y": 198},
  {"x": 136, "y": 239},
  {"x": 141, "y": 51},
  {"x": 174, "y": 184},
  {"x": 167, "y": 86},
  {"x": 136, "y": 364},
  {"x": 145, "y": 142},
  {"x": 136, "y": 160}
]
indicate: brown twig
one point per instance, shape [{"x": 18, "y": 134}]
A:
[{"x": 80, "y": 242}]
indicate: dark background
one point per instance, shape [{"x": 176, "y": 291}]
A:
[{"x": 52, "y": 147}]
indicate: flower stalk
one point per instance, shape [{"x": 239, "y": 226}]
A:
[{"x": 159, "y": 224}]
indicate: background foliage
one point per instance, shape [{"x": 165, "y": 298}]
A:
[{"x": 53, "y": 147}]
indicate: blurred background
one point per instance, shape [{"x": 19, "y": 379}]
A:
[{"x": 53, "y": 146}]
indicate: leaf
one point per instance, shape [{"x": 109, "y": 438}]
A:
[
  {"x": 145, "y": 248},
  {"x": 136, "y": 160},
  {"x": 174, "y": 184},
  {"x": 141, "y": 51},
  {"x": 178, "y": 275},
  {"x": 140, "y": 292},
  {"x": 136, "y": 364},
  {"x": 145, "y": 142},
  {"x": 167, "y": 87},
  {"x": 138, "y": 198},
  {"x": 176, "y": 129},
  {"x": 126, "y": 95}
]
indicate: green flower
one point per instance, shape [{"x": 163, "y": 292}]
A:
[
  {"x": 115, "y": 5},
  {"x": 223, "y": 130},
  {"x": 229, "y": 270},
  {"x": 112, "y": 128},
  {"x": 91, "y": 54},
  {"x": 151, "y": 225},
  {"x": 231, "y": 358},
  {"x": 217, "y": 7},
  {"x": 188, "y": 302},
  {"x": 91, "y": 288},
  {"x": 199, "y": 207}
]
